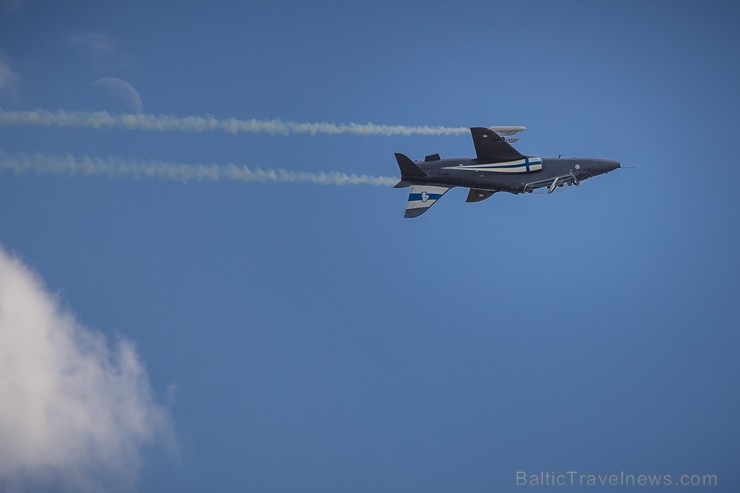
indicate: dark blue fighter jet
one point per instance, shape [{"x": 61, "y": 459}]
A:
[{"x": 498, "y": 167}]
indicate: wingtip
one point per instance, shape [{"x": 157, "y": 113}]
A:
[{"x": 411, "y": 213}]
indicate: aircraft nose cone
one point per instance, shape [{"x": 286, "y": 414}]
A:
[{"x": 612, "y": 165}]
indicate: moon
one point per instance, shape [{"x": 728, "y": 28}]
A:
[{"x": 121, "y": 91}]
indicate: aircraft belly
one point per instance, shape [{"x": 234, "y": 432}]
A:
[
  {"x": 505, "y": 176},
  {"x": 490, "y": 181},
  {"x": 481, "y": 180}
]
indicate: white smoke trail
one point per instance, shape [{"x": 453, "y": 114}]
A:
[
  {"x": 198, "y": 124},
  {"x": 118, "y": 167}
]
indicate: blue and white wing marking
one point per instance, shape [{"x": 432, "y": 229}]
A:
[{"x": 422, "y": 197}]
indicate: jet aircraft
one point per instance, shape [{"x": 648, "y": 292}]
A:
[{"x": 498, "y": 167}]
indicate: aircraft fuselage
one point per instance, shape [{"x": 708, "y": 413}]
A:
[
  {"x": 473, "y": 173},
  {"x": 497, "y": 167}
]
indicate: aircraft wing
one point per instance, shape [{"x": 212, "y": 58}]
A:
[
  {"x": 491, "y": 148},
  {"x": 422, "y": 197}
]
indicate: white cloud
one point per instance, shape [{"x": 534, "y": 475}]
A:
[
  {"x": 9, "y": 79},
  {"x": 11, "y": 5},
  {"x": 75, "y": 411},
  {"x": 103, "y": 48},
  {"x": 98, "y": 43}
]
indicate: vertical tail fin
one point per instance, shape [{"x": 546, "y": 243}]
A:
[
  {"x": 422, "y": 197},
  {"x": 408, "y": 167}
]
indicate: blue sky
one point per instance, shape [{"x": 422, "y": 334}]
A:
[{"x": 308, "y": 338}]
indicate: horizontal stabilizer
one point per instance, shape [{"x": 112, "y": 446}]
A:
[
  {"x": 422, "y": 197},
  {"x": 433, "y": 157},
  {"x": 402, "y": 184},
  {"x": 408, "y": 167},
  {"x": 476, "y": 195}
]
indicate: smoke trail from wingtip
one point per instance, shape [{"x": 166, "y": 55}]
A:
[
  {"x": 199, "y": 124},
  {"x": 118, "y": 167}
]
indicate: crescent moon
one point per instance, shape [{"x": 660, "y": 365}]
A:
[{"x": 121, "y": 91}]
